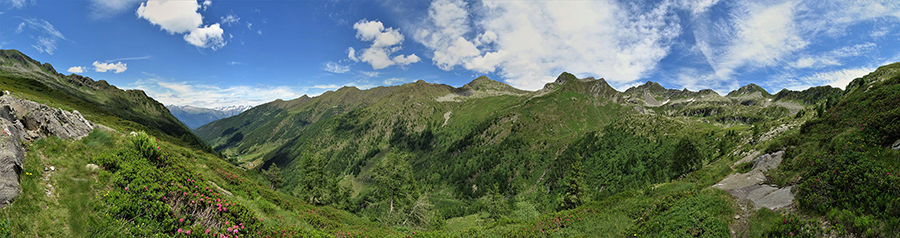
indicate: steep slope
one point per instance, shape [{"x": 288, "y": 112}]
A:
[
  {"x": 19, "y": 72},
  {"x": 195, "y": 117},
  {"x": 844, "y": 162}
]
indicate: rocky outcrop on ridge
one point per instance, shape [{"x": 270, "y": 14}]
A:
[{"x": 22, "y": 120}]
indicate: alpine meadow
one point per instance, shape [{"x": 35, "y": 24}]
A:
[{"x": 532, "y": 119}]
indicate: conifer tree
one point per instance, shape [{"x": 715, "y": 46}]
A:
[{"x": 574, "y": 189}]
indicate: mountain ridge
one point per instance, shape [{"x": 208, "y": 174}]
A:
[{"x": 132, "y": 105}]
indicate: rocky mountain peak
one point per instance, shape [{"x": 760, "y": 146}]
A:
[{"x": 748, "y": 90}]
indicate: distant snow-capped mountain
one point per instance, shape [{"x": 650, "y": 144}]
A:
[{"x": 195, "y": 117}]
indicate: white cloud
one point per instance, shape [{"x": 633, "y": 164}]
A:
[
  {"x": 207, "y": 37},
  {"x": 385, "y": 41},
  {"x": 833, "y": 57},
  {"x": 814, "y": 62},
  {"x": 76, "y": 69},
  {"x": 405, "y": 60},
  {"x": 172, "y": 16},
  {"x": 834, "y": 17},
  {"x": 206, "y": 4},
  {"x": 329, "y": 86},
  {"x": 102, "y": 9},
  {"x": 19, "y": 4},
  {"x": 118, "y": 67},
  {"x": 204, "y": 95},
  {"x": 370, "y": 74},
  {"x": 758, "y": 35},
  {"x": 336, "y": 68},
  {"x": 351, "y": 54},
  {"x": 837, "y": 78},
  {"x": 230, "y": 19},
  {"x": 130, "y": 58},
  {"x": 45, "y": 35},
  {"x": 375, "y": 32},
  {"x": 530, "y": 42},
  {"x": 182, "y": 17},
  {"x": 392, "y": 81}
]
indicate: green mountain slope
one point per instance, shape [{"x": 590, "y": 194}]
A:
[
  {"x": 575, "y": 159},
  {"x": 466, "y": 144},
  {"x": 111, "y": 106}
]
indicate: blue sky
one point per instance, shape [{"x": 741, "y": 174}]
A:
[{"x": 213, "y": 53}]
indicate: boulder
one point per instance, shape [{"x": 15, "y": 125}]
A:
[
  {"x": 92, "y": 167},
  {"x": 896, "y": 145}
]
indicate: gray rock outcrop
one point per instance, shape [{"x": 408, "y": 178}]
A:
[
  {"x": 40, "y": 120},
  {"x": 12, "y": 157},
  {"x": 750, "y": 185},
  {"x": 22, "y": 120}
]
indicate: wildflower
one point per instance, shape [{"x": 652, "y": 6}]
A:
[
  {"x": 187, "y": 232},
  {"x": 179, "y": 230},
  {"x": 181, "y": 220}
]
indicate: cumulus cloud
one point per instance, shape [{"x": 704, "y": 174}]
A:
[
  {"x": 206, "y": 4},
  {"x": 76, "y": 69},
  {"x": 336, "y": 68},
  {"x": 530, "y": 42},
  {"x": 172, "y": 92},
  {"x": 172, "y": 16},
  {"x": 118, "y": 67},
  {"x": 385, "y": 41},
  {"x": 182, "y": 17},
  {"x": 207, "y": 37},
  {"x": 45, "y": 35}
]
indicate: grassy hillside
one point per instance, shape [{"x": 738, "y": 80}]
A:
[
  {"x": 841, "y": 161},
  {"x": 489, "y": 161},
  {"x": 574, "y": 159},
  {"x": 111, "y": 106}
]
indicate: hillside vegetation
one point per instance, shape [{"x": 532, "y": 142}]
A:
[
  {"x": 97, "y": 100},
  {"x": 575, "y": 159}
]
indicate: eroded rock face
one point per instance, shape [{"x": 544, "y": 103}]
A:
[{"x": 22, "y": 120}]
